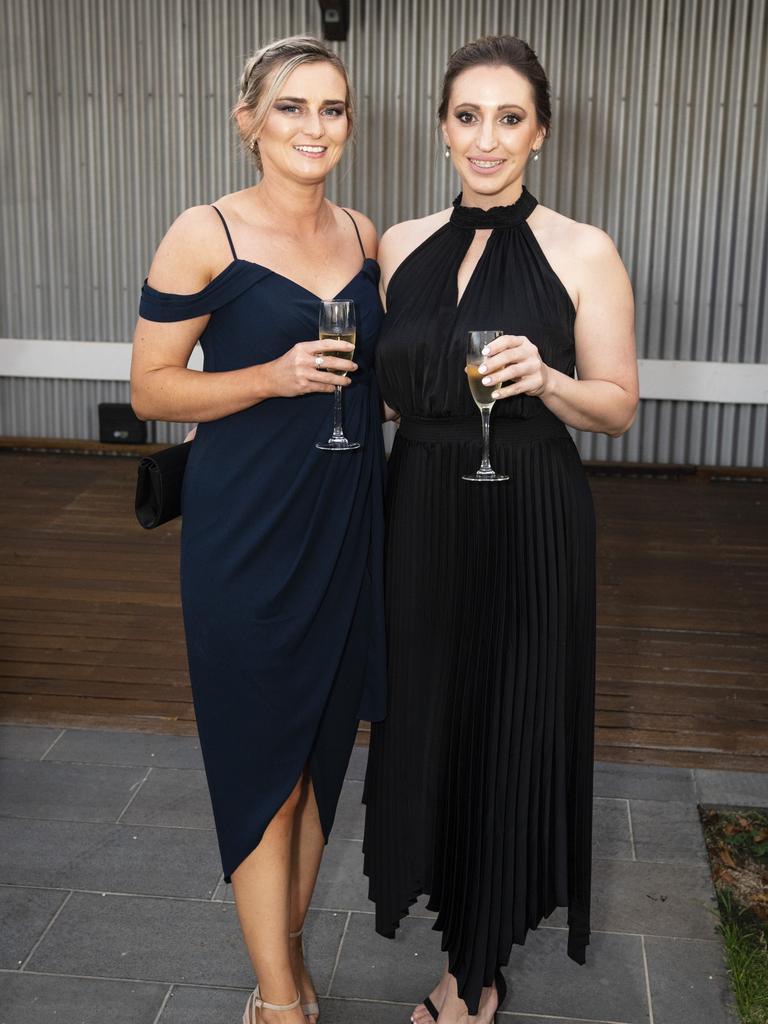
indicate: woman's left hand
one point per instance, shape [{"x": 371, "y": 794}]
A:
[{"x": 514, "y": 363}]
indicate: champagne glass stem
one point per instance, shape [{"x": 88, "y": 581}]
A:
[
  {"x": 485, "y": 465},
  {"x": 337, "y": 431}
]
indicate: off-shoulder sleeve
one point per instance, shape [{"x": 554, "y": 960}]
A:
[{"x": 166, "y": 307}]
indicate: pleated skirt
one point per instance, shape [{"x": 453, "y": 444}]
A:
[{"x": 479, "y": 783}]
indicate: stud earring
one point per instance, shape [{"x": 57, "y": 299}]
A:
[{"x": 447, "y": 153}]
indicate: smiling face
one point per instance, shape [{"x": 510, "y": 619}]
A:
[
  {"x": 307, "y": 126},
  {"x": 491, "y": 128}
]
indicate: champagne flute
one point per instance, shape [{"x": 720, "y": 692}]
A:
[
  {"x": 482, "y": 395},
  {"x": 337, "y": 323}
]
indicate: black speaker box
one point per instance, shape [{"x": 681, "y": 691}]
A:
[{"x": 119, "y": 424}]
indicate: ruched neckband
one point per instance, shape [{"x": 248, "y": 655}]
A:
[{"x": 473, "y": 218}]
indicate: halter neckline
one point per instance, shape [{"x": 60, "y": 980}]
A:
[{"x": 474, "y": 218}]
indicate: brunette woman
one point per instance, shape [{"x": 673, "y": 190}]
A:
[
  {"x": 280, "y": 559},
  {"x": 479, "y": 784}
]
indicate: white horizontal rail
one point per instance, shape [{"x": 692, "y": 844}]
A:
[
  {"x": 71, "y": 360},
  {"x": 673, "y": 379}
]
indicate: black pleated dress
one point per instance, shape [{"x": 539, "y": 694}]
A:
[
  {"x": 479, "y": 784},
  {"x": 281, "y": 557}
]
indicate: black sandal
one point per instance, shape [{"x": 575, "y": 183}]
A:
[{"x": 433, "y": 1011}]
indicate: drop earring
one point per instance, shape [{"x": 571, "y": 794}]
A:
[
  {"x": 535, "y": 155},
  {"x": 447, "y": 153},
  {"x": 253, "y": 145}
]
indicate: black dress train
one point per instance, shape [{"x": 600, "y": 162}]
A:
[{"x": 479, "y": 784}]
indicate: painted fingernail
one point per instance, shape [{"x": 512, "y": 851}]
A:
[
  {"x": 487, "y": 381},
  {"x": 485, "y": 351},
  {"x": 482, "y": 368},
  {"x": 494, "y": 394}
]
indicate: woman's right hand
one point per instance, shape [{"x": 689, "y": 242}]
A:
[{"x": 298, "y": 373}]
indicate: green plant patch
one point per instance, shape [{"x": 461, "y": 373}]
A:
[{"x": 737, "y": 843}]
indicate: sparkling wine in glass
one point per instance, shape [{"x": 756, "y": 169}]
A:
[
  {"x": 337, "y": 323},
  {"x": 482, "y": 394}
]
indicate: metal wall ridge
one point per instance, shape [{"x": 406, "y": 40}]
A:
[{"x": 115, "y": 120}]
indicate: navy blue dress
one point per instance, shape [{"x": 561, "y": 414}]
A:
[{"x": 281, "y": 557}]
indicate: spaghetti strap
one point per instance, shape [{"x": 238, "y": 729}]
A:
[
  {"x": 229, "y": 237},
  {"x": 354, "y": 225}
]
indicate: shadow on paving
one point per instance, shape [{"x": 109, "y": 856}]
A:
[{"x": 113, "y": 906}]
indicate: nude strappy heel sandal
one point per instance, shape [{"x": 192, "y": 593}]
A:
[
  {"x": 255, "y": 1002},
  {"x": 306, "y": 1008}
]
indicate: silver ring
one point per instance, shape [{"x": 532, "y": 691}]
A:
[{"x": 318, "y": 361}]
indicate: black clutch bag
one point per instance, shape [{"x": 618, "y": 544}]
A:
[{"x": 158, "y": 487}]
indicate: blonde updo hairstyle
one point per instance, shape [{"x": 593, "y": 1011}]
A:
[{"x": 259, "y": 87}]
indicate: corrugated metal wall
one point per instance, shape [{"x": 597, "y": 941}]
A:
[{"x": 115, "y": 119}]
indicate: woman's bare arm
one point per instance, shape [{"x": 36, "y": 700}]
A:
[
  {"x": 162, "y": 387},
  {"x": 605, "y": 396}
]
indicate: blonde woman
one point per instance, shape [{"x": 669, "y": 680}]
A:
[{"x": 281, "y": 543}]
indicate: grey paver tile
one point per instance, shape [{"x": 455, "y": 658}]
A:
[
  {"x": 656, "y": 899},
  {"x": 542, "y": 980},
  {"x": 610, "y": 829},
  {"x": 643, "y": 782},
  {"x": 105, "y": 746},
  {"x": 535, "y": 1018},
  {"x": 147, "y": 939},
  {"x": 223, "y": 892},
  {"x": 689, "y": 983},
  {"x": 108, "y": 857},
  {"x": 26, "y": 742},
  {"x": 419, "y": 908},
  {"x": 341, "y": 883},
  {"x": 28, "y": 998},
  {"x": 749, "y": 789},
  {"x": 356, "y": 1011},
  {"x": 24, "y": 916},
  {"x": 350, "y": 814},
  {"x": 197, "y": 1005},
  {"x": 401, "y": 969},
  {"x": 357, "y": 764},
  {"x": 172, "y": 797},
  {"x": 322, "y": 934},
  {"x": 182, "y": 941},
  {"x": 667, "y": 831},
  {"x": 204, "y": 1005},
  {"x": 69, "y": 792}
]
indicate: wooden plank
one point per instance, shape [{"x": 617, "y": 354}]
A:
[
  {"x": 680, "y": 758},
  {"x": 91, "y": 629},
  {"x": 67, "y": 704},
  {"x": 112, "y": 672},
  {"x": 39, "y": 686}
]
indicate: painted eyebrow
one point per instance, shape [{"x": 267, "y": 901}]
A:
[
  {"x": 504, "y": 106},
  {"x": 300, "y": 99}
]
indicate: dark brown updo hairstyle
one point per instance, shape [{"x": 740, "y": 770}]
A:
[{"x": 500, "y": 51}]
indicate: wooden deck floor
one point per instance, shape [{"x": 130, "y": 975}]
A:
[{"x": 91, "y": 633}]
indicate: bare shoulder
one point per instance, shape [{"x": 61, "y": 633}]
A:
[
  {"x": 368, "y": 232},
  {"x": 414, "y": 232},
  {"x": 193, "y": 250},
  {"x": 399, "y": 241},
  {"x": 584, "y": 241}
]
